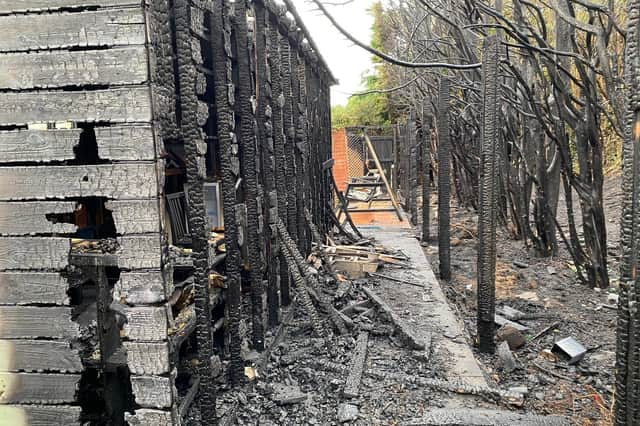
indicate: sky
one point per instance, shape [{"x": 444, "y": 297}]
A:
[{"x": 347, "y": 61}]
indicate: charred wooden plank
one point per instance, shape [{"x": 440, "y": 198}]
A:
[
  {"x": 7, "y": 6},
  {"x": 147, "y": 358},
  {"x": 182, "y": 327},
  {"x": 147, "y": 324},
  {"x": 126, "y": 143},
  {"x": 117, "y": 66},
  {"x": 351, "y": 388},
  {"x": 38, "y": 388},
  {"x": 140, "y": 252},
  {"x": 30, "y": 218},
  {"x": 38, "y": 355},
  {"x": 119, "y": 181},
  {"x": 140, "y": 288},
  {"x": 188, "y": 399},
  {"x": 38, "y": 145},
  {"x": 147, "y": 417},
  {"x": 40, "y": 415},
  {"x": 25, "y": 288},
  {"x": 22, "y": 322},
  {"x": 33, "y": 253},
  {"x": 152, "y": 392},
  {"x": 135, "y": 216},
  {"x": 130, "y": 104},
  {"x": 86, "y": 29}
]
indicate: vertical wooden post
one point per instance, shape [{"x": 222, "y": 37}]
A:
[
  {"x": 279, "y": 142},
  {"x": 488, "y": 193},
  {"x": 427, "y": 123},
  {"x": 265, "y": 141},
  {"x": 444, "y": 184},
  {"x": 413, "y": 167},
  {"x": 247, "y": 126},
  {"x": 229, "y": 169}
]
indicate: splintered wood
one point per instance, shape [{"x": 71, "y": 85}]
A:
[{"x": 352, "y": 387}]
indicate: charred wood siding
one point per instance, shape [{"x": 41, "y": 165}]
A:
[
  {"x": 90, "y": 68},
  {"x": 138, "y": 80}
]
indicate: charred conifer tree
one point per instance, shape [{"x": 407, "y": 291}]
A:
[
  {"x": 444, "y": 179},
  {"x": 488, "y": 194},
  {"x": 627, "y": 401}
]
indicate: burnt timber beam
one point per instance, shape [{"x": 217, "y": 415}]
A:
[
  {"x": 427, "y": 126},
  {"x": 489, "y": 164},
  {"x": 230, "y": 172},
  {"x": 279, "y": 149},
  {"x": 187, "y": 51},
  {"x": 444, "y": 182},
  {"x": 264, "y": 113},
  {"x": 247, "y": 126}
]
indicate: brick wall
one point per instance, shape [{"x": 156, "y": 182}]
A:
[{"x": 339, "y": 153}]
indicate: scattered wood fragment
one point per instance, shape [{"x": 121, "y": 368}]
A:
[
  {"x": 344, "y": 286},
  {"x": 356, "y": 368},
  {"x": 544, "y": 331},
  {"x": 398, "y": 280},
  {"x": 285, "y": 394},
  {"x": 454, "y": 386},
  {"x": 500, "y": 320},
  {"x": 183, "y": 410},
  {"x": 506, "y": 357}
]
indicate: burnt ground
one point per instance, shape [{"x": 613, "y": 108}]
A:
[
  {"x": 417, "y": 358},
  {"x": 548, "y": 291},
  {"x": 303, "y": 379}
]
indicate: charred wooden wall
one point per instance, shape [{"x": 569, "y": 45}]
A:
[{"x": 100, "y": 98}]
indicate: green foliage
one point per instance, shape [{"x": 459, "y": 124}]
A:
[{"x": 370, "y": 109}]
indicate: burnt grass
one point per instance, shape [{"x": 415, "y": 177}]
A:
[{"x": 548, "y": 290}]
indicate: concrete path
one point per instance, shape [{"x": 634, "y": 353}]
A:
[{"x": 426, "y": 309}]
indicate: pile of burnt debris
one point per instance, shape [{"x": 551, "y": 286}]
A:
[{"x": 341, "y": 353}]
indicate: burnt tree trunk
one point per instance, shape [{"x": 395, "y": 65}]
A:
[
  {"x": 427, "y": 123},
  {"x": 444, "y": 180},
  {"x": 627, "y": 402},
  {"x": 488, "y": 189}
]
